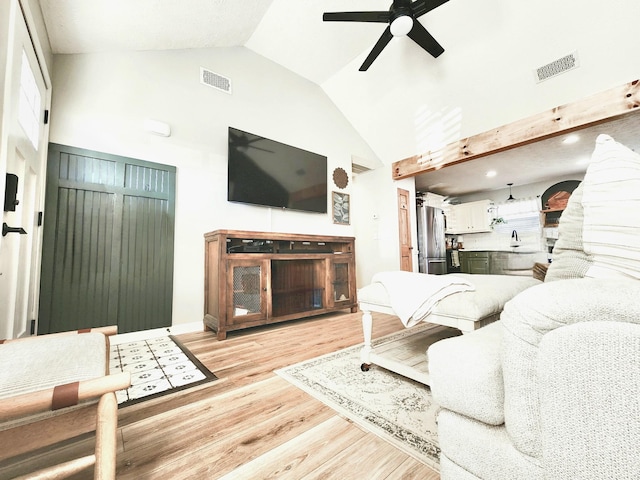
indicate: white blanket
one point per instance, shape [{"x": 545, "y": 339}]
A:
[{"x": 413, "y": 295}]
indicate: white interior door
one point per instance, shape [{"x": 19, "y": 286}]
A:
[{"x": 23, "y": 139}]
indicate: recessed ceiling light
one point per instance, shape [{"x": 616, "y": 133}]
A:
[
  {"x": 571, "y": 139},
  {"x": 491, "y": 173}
]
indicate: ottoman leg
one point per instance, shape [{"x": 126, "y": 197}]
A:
[{"x": 367, "y": 328}]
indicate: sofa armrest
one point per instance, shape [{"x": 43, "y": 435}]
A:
[
  {"x": 466, "y": 374},
  {"x": 589, "y": 376},
  {"x": 533, "y": 314}
]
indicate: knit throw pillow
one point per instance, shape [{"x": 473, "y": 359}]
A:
[
  {"x": 569, "y": 258},
  {"x": 611, "y": 204}
]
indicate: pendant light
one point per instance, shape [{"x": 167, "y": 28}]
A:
[{"x": 510, "y": 199}]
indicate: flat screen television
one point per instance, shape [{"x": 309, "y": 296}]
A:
[{"x": 269, "y": 173}]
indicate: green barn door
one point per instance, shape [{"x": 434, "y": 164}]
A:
[{"x": 107, "y": 257}]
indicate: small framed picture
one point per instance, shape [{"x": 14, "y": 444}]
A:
[{"x": 340, "y": 208}]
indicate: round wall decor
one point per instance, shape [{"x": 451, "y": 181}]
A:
[{"x": 340, "y": 177}]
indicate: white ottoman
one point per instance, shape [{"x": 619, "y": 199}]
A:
[{"x": 465, "y": 311}]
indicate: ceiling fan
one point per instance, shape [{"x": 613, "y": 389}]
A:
[{"x": 402, "y": 19}]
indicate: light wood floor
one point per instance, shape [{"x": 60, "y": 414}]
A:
[{"x": 251, "y": 424}]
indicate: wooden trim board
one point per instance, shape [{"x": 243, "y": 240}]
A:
[{"x": 598, "y": 108}]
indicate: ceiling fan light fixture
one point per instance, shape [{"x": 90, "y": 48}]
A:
[
  {"x": 401, "y": 20},
  {"x": 401, "y": 26}
]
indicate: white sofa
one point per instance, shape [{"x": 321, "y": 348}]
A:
[{"x": 552, "y": 390}]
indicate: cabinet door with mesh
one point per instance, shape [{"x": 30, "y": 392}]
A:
[
  {"x": 343, "y": 288},
  {"x": 247, "y": 281}
]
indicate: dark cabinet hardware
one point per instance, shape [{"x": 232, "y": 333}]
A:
[{"x": 11, "y": 193}]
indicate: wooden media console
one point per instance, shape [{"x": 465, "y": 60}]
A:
[{"x": 258, "y": 278}]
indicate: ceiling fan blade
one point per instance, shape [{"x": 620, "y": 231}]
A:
[
  {"x": 384, "y": 39},
  {"x": 261, "y": 149},
  {"x": 423, "y": 38},
  {"x": 423, "y": 6},
  {"x": 377, "y": 17}
]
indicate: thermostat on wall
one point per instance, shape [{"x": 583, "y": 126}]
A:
[{"x": 156, "y": 127}]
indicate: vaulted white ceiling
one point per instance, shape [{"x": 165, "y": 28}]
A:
[
  {"x": 491, "y": 49},
  {"x": 289, "y": 32}
]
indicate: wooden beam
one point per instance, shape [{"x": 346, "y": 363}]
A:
[{"x": 591, "y": 110}]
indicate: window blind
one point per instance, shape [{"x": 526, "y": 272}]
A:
[{"x": 522, "y": 215}]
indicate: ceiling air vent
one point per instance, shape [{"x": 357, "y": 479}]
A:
[
  {"x": 215, "y": 80},
  {"x": 561, "y": 65}
]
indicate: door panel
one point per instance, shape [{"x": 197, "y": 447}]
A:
[
  {"x": 145, "y": 277},
  {"x": 23, "y": 136},
  {"x": 404, "y": 227},
  {"x": 82, "y": 270},
  {"x": 247, "y": 292},
  {"x": 108, "y": 256},
  {"x": 343, "y": 289}
]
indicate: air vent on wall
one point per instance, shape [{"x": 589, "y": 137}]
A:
[
  {"x": 355, "y": 168},
  {"x": 215, "y": 80},
  {"x": 561, "y": 65}
]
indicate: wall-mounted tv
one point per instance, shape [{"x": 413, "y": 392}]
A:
[{"x": 269, "y": 173}]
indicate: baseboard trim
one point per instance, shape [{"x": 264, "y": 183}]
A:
[{"x": 156, "y": 332}]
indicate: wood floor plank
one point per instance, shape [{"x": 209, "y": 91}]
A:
[
  {"x": 369, "y": 457},
  {"x": 219, "y": 415},
  {"x": 409, "y": 469},
  {"x": 302, "y": 455},
  {"x": 231, "y": 437},
  {"x": 250, "y": 421}
]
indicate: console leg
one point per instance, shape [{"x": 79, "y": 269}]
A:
[{"x": 367, "y": 329}]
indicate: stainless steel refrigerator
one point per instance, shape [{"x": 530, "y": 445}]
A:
[{"x": 432, "y": 254}]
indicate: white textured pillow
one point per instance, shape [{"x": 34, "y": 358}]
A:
[
  {"x": 611, "y": 203},
  {"x": 569, "y": 258}
]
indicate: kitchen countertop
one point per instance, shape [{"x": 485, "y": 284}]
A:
[{"x": 507, "y": 250}]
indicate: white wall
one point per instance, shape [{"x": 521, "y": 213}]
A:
[
  {"x": 375, "y": 207},
  {"x": 518, "y": 191},
  {"x": 100, "y": 102},
  {"x": 409, "y": 103}
]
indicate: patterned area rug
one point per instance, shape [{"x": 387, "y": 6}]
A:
[
  {"x": 393, "y": 407},
  {"x": 158, "y": 366}
]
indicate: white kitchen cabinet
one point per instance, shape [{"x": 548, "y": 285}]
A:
[{"x": 471, "y": 217}]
